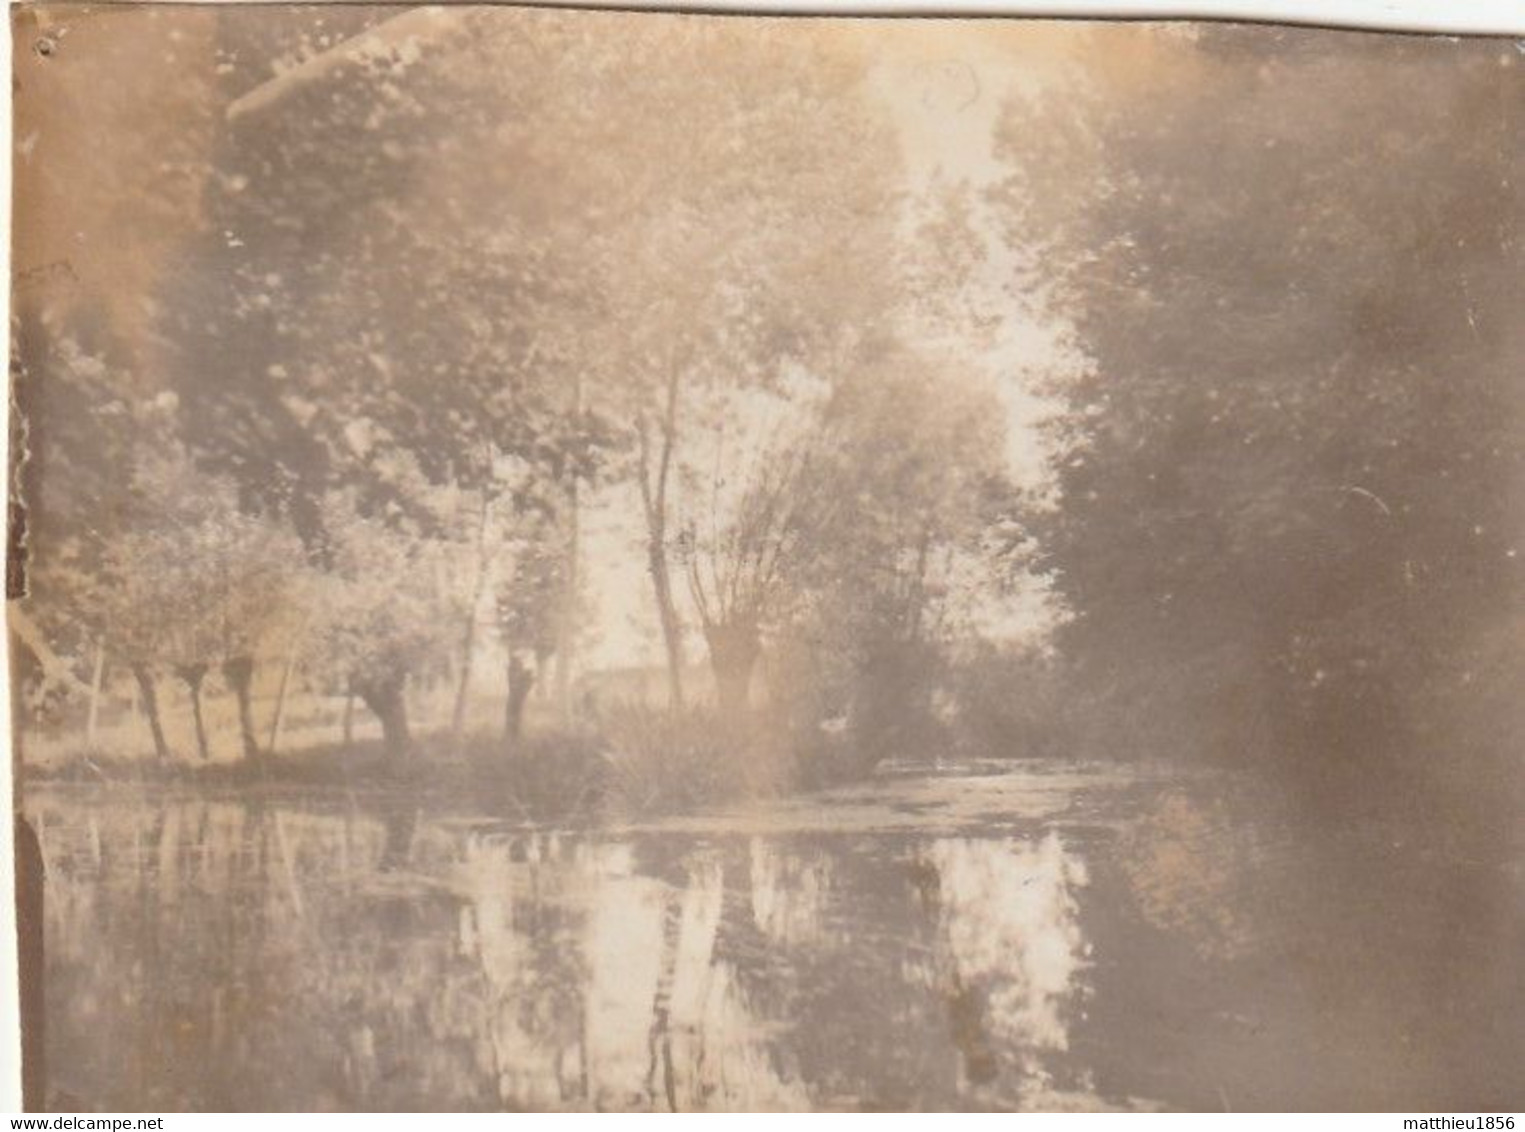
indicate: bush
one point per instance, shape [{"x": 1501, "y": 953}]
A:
[
  {"x": 663, "y": 761},
  {"x": 1007, "y": 705},
  {"x": 546, "y": 777}
]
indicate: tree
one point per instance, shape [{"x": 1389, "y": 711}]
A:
[
  {"x": 758, "y": 242},
  {"x": 260, "y": 599},
  {"x": 414, "y": 330},
  {"x": 87, "y": 414},
  {"x": 103, "y": 224},
  {"x": 135, "y": 606},
  {"x": 531, "y": 589},
  {"x": 1290, "y": 473},
  {"x": 743, "y": 512},
  {"x": 557, "y": 279},
  {"x": 192, "y": 586},
  {"x": 382, "y": 616},
  {"x": 909, "y": 487}
]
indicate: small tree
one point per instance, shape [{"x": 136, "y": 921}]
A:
[
  {"x": 258, "y": 569},
  {"x": 137, "y": 603},
  {"x": 906, "y": 491},
  {"x": 381, "y": 616},
  {"x": 531, "y": 597}
]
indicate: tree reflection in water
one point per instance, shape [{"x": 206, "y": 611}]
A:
[
  {"x": 206, "y": 954},
  {"x": 1014, "y": 952},
  {"x": 378, "y": 961}
]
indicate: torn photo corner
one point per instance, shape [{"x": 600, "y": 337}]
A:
[{"x": 633, "y": 560}]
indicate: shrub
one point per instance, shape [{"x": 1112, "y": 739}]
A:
[{"x": 663, "y": 761}]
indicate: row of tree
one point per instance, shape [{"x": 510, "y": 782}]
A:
[{"x": 446, "y": 275}]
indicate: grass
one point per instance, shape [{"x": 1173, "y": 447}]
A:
[{"x": 641, "y": 762}]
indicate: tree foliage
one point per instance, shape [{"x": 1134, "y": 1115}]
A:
[{"x": 1291, "y": 468}]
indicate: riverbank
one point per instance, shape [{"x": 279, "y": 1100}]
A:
[{"x": 652, "y": 763}]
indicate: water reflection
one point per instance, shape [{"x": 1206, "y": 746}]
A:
[
  {"x": 1015, "y": 953},
  {"x": 206, "y": 954}
]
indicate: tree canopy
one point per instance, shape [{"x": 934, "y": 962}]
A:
[{"x": 1291, "y": 467}]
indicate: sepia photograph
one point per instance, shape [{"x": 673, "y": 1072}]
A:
[{"x": 576, "y": 560}]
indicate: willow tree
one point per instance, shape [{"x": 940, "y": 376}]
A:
[
  {"x": 745, "y": 506},
  {"x": 380, "y": 619}
]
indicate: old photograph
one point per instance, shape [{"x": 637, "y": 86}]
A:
[{"x": 627, "y": 561}]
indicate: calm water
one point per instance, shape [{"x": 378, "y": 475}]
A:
[{"x": 1033, "y": 938}]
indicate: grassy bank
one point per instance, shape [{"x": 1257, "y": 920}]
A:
[{"x": 639, "y": 762}]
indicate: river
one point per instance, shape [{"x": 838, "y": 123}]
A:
[{"x": 1020, "y": 937}]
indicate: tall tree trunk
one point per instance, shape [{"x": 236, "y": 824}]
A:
[
  {"x": 667, "y": 612},
  {"x": 193, "y": 675},
  {"x": 150, "y": 694},
  {"x": 385, "y": 699},
  {"x": 239, "y": 673},
  {"x": 279, "y": 720},
  {"x": 653, "y": 485},
  {"x": 96, "y": 677},
  {"x": 734, "y": 650},
  {"x": 566, "y": 621},
  {"x": 520, "y": 680},
  {"x": 469, "y": 634}
]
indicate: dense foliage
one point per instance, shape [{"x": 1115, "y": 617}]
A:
[{"x": 1291, "y": 471}]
